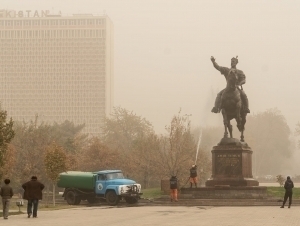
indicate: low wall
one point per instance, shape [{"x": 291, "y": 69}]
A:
[{"x": 225, "y": 192}]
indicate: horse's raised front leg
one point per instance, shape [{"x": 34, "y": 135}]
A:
[{"x": 225, "y": 122}]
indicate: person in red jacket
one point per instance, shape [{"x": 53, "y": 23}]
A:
[{"x": 33, "y": 193}]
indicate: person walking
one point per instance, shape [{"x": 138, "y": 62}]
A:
[
  {"x": 6, "y": 193},
  {"x": 33, "y": 193},
  {"x": 173, "y": 188},
  {"x": 288, "y": 186},
  {"x": 193, "y": 176}
]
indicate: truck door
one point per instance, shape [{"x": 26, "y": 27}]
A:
[{"x": 101, "y": 184}]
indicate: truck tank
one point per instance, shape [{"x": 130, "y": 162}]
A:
[{"x": 76, "y": 179}]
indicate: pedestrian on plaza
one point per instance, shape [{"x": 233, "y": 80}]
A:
[
  {"x": 288, "y": 186},
  {"x": 6, "y": 193},
  {"x": 173, "y": 188},
  {"x": 33, "y": 193},
  {"x": 193, "y": 176}
]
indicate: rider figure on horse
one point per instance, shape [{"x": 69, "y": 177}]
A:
[{"x": 241, "y": 80}]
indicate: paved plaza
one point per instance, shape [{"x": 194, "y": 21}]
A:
[{"x": 162, "y": 215}]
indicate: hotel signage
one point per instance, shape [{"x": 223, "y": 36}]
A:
[{"x": 25, "y": 13}]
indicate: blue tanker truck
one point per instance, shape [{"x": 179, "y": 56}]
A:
[{"x": 92, "y": 186}]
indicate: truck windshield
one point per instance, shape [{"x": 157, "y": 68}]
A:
[{"x": 111, "y": 176}]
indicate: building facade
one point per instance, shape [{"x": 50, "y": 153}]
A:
[{"x": 60, "y": 68}]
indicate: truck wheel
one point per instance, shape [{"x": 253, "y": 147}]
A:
[
  {"x": 71, "y": 198},
  {"x": 112, "y": 198},
  {"x": 131, "y": 200}
]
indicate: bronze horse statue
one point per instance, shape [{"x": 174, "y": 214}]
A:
[{"x": 231, "y": 105}]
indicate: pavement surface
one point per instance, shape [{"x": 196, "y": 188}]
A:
[{"x": 162, "y": 215}]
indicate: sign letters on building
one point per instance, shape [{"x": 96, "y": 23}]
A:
[{"x": 26, "y": 13}]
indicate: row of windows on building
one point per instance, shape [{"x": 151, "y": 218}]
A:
[
  {"x": 29, "y": 50},
  {"x": 41, "y": 70},
  {"x": 91, "y": 84},
  {"x": 42, "y": 45},
  {"x": 80, "y": 33},
  {"x": 63, "y": 52},
  {"x": 62, "y": 101},
  {"x": 53, "y": 84},
  {"x": 58, "y": 47},
  {"x": 53, "y": 75},
  {"x": 58, "y": 105},
  {"x": 70, "y": 111},
  {"x": 54, "y": 65},
  {"x": 75, "y": 117},
  {"x": 51, "y": 40},
  {"x": 57, "y": 60},
  {"x": 49, "y": 54},
  {"x": 51, "y": 68},
  {"x": 90, "y": 89},
  {"x": 52, "y": 22},
  {"x": 63, "y": 76},
  {"x": 23, "y": 70},
  {"x": 43, "y": 58},
  {"x": 75, "y": 105}
]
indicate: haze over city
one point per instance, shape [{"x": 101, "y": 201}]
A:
[
  {"x": 163, "y": 49},
  {"x": 109, "y": 103}
]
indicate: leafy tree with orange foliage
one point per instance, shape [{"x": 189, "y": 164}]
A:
[
  {"x": 143, "y": 160},
  {"x": 9, "y": 161},
  {"x": 6, "y": 135},
  {"x": 123, "y": 128},
  {"x": 97, "y": 156},
  {"x": 125, "y": 132},
  {"x": 55, "y": 163}
]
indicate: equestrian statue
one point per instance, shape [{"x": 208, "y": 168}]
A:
[{"x": 232, "y": 101}]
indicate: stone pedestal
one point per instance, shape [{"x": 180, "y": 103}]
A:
[{"x": 231, "y": 164}]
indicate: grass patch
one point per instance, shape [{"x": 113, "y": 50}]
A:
[
  {"x": 278, "y": 192},
  {"x": 151, "y": 193}
]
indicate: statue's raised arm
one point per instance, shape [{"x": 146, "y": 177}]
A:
[{"x": 213, "y": 60}]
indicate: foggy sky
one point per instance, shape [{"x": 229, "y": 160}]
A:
[{"x": 163, "y": 49}]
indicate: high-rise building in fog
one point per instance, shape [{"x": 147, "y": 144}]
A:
[{"x": 60, "y": 68}]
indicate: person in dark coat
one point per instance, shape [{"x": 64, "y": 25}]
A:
[
  {"x": 288, "y": 186},
  {"x": 6, "y": 193},
  {"x": 193, "y": 176},
  {"x": 33, "y": 193},
  {"x": 173, "y": 188}
]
